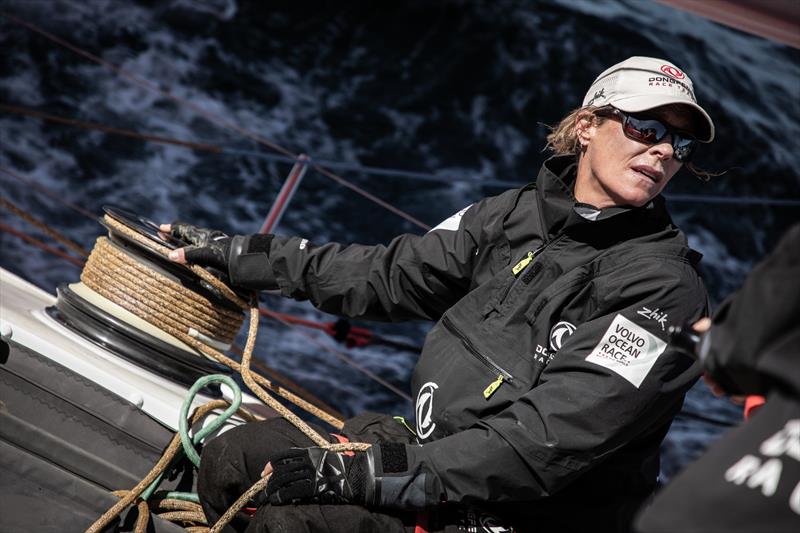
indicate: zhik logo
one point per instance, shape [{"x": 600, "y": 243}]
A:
[
  {"x": 559, "y": 333},
  {"x": 425, "y": 423},
  {"x": 598, "y": 94}
]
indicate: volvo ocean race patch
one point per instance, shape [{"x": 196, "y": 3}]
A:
[
  {"x": 627, "y": 349},
  {"x": 452, "y": 223}
]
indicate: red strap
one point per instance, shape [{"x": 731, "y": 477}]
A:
[
  {"x": 342, "y": 439},
  {"x": 422, "y": 522},
  {"x": 752, "y": 404}
]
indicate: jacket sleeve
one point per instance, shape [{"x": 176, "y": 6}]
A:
[
  {"x": 767, "y": 307},
  {"x": 613, "y": 380},
  {"x": 411, "y": 277}
]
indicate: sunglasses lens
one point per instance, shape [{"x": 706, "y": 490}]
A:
[
  {"x": 649, "y": 131},
  {"x": 653, "y": 131},
  {"x": 683, "y": 148}
]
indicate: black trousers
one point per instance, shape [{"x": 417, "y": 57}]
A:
[{"x": 232, "y": 462}]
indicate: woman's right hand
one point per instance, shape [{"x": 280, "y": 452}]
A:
[{"x": 207, "y": 247}]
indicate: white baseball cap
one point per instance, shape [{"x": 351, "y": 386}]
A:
[{"x": 642, "y": 83}]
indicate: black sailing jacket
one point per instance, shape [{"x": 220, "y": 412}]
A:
[
  {"x": 749, "y": 479},
  {"x": 546, "y": 386}
]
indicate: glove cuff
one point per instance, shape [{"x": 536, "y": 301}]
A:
[
  {"x": 401, "y": 483},
  {"x": 248, "y": 263},
  {"x": 368, "y": 492}
]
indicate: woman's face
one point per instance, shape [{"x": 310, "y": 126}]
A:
[{"x": 615, "y": 170}]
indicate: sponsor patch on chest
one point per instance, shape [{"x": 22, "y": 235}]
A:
[{"x": 627, "y": 349}]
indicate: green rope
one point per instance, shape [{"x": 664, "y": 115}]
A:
[
  {"x": 184, "y": 496},
  {"x": 183, "y": 427}
]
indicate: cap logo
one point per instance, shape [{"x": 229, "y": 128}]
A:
[
  {"x": 669, "y": 70},
  {"x": 598, "y": 94}
]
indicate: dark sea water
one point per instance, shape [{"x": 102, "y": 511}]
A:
[{"x": 459, "y": 90}]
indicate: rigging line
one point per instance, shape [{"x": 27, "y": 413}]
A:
[
  {"x": 710, "y": 199},
  {"x": 343, "y": 357},
  {"x": 383, "y": 171},
  {"x": 44, "y": 190},
  {"x": 221, "y": 149},
  {"x": 210, "y": 116},
  {"x": 355, "y": 188},
  {"x": 44, "y": 228},
  {"x": 369, "y": 170},
  {"x": 145, "y": 84},
  {"x": 379, "y": 171},
  {"x": 40, "y": 244},
  {"x": 108, "y": 129}
]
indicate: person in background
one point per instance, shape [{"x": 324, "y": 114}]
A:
[
  {"x": 546, "y": 386},
  {"x": 749, "y": 480}
]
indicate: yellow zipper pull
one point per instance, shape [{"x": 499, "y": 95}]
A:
[
  {"x": 525, "y": 261},
  {"x": 405, "y": 424},
  {"x": 493, "y": 386}
]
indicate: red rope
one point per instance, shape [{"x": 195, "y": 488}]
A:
[
  {"x": 39, "y": 244},
  {"x": 109, "y": 129},
  {"x": 44, "y": 190}
]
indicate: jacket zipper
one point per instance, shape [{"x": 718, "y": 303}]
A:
[
  {"x": 519, "y": 267},
  {"x": 516, "y": 270},
  {"x": 525, "y": 261},
  {"x": 502, "y": 375}
]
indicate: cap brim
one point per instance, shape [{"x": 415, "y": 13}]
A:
[{"x": 635, "y": 104}]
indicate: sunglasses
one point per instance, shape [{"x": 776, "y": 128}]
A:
[{"x": 652, "y": 131}]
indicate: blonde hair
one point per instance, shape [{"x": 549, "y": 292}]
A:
[{"x": 563, "y": 139}]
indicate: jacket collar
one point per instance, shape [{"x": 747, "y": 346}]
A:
[{"x": 560, "y": 211}]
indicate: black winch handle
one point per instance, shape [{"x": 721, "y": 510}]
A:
[{"x": 686, "y": 339}]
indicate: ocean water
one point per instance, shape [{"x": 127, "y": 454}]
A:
[{"x": 458, "y": 90}]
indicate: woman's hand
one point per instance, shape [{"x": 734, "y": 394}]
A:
[
  {"x": 318, "y": 475},
  {"x": 207, "y": 247}
]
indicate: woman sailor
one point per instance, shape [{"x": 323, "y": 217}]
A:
[{"x": 546, "y": 386}]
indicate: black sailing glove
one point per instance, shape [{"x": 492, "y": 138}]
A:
[
  {"x": 209, "y": 247},
  {"x": 242, "y": 257},
  {"x": 321, "y": 476},
  {"x": 378, "y": 477}
]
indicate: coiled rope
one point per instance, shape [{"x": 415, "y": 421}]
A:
[
  {"x": 136, "y": 287},
  {"x": 287, "y": 320},
  {"x": 181, "y": 312},
  {"x": 130, "y": 287}
]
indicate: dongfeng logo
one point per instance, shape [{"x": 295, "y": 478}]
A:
[
  {"x": 673, "y": 72},
  {"x": 425, "y": 423},
  {"x": 559, "y": 333}
]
